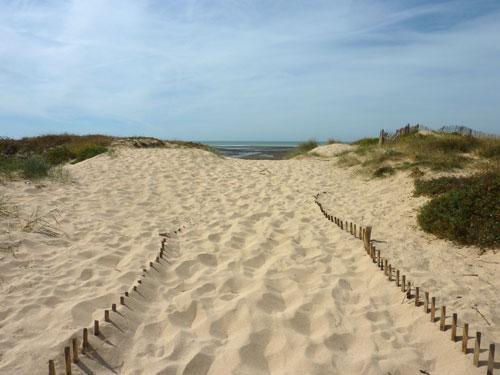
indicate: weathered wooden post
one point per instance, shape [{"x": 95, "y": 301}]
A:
[
  {"x": 433, "y": 309},
  {"x": 85, "y": 340},
  {"x": 454, "y": 327},
  {"x": 74, "y": 344},
  {"x": 442, "y": 320},
  {"x": 491, "y": 359},
  {"x": 67, "y": 360},
  {"x": 52, "y": 367},
  {"x": 477, "y": 349},
  {"x": 465, "y": 337},
  {"x": 426, "y": 302},
  {"x": 367, "y": 237},
  {"x": 96, "y": 328}
]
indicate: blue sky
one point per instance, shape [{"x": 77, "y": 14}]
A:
[{"x": 247, "y": 70}]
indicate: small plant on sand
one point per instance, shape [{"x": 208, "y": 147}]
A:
[
  {"x": 463, "y": 209},
  {"x": 89, "y": 151},
  {"x": 35, "y": 167},
  {"x": 59, "y": 155},
  {"x": 383, "y": 171},
  {"x": 303, "y": 148}
]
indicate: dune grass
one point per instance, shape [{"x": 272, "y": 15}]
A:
[
  {"x": 434, "y": 151},
  {"x": 303, "y": 148},
  {"x": 462, "y": 209}
]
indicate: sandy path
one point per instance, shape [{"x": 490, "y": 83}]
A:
[{"x": 257, "y": 282}]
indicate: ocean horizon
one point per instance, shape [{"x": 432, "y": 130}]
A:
[{"x": 272, "y": 150}]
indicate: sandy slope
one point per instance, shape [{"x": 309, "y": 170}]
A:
[{"x": 257, "y": 281}]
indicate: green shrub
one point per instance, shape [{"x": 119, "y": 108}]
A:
[
  {"x": 384, "y": 171},
  {"x": 10, "y": 164},
  {"x": 89, "y": 151},
  {"x": 366, "y": 142},
  {"x": 59, "y": 155},
  {"x": 490, "y": 148},
  {"x": 35, "y": 167},
  {"x": 437, "y": 186},
  {"x": 307, "y": 146},
  {"x": 468, "y": 213}
]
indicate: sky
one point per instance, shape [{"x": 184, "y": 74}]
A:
[{"x": 281, "y": 70}]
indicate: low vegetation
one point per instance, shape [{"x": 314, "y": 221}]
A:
[
  {"x": 303, "y": 148},
  {"x": 463, "y": 209},
  {"x": 38, "y": 157},
  {"x": 432, "y": 151}
]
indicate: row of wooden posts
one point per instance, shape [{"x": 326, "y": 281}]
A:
[
  {"x": 364, "y": 234},
  {"x": 74, "y": 349}
]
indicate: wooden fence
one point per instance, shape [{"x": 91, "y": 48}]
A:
[{"x": 403, "y": 282}]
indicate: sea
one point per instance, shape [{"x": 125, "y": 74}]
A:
[{"x": 254, "y": 149}]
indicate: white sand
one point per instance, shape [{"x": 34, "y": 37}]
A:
[{"x": 257, "y": 282}]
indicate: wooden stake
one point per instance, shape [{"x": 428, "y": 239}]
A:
[
  {"x": 389, "y": 271},
  {"x": 426, "y": 302},
  {"x": 433, "y": 309},
  {"x": 408, "y": 290},
  {"x": 96, "y": 328},
  {"x": 454, "y": 327},
  {"x": 355, "y": 232},
  {"x": 403, "y": 283},
  {"x": 477, "y": 348},
  {"x": 67, "y": 360},
  {"x": 113, "y": 307},
  {"x": 417, "y": 296},
  {"x": 465, "y": 337},
  {"x": 52, "y": 367},
  {"x": 378, "y": 257},
  {"x": 397, "y": 277},
  {"x": 367, "y": 238},
  {"x": 122, "y": 300},
  {"x": 385, "y": 267},
  {"x": 74, "y": 344},
  {"x": 491, "y": 359},
  {"x": 106, "y": 315},
  {"x": 341, "y": 225},
  {"x": 85, "y": 340},
  {"x": 442, "y": 318},
  {"x": 126, "y": 294}
]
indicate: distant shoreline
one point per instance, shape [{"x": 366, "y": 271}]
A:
[{"x": 254, "y": 150}]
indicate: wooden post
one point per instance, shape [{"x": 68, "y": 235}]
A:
[
  {"x": 106, "y": 315},
  {"x": 389, "y": 271},
  {"x": 397, "y": 277},
  {"x": 368, "y": 234},
  {"x": 378, "y": 257},
  {"x": 442, "y": 318},
  {"x": 74, "y": 344},
  {"x": 355, "y": 232},
  {"x": 454, "y": 327},
  {"x": 433, "y": 309},
  {"x": 151, "y": 264},
  {"x": 341, "y": 225},
  {"x": 426, "y": 302},
  {"x": 477, "y": 348},
  {"x": 122, "y": 300},
  {"x": 85, "y": 340},
  {"x": 408, "y": 290},
  {"x": 403, "y": 283},
  {"x": 96, "y": 328},
  {"x": 465, "y": 337},
  {"x": 67, "y": 360},
  {"x": 417, "y": 296},
  {"x": 491, "y": 359},
  {"x": 113, "y": 307},
  {"x": 385, "y": 267},
  {"x": 126, "y": 294},
  {"x": 350, "y": 227},
  {"x": 52, "y": 367},
  {"x": 360, "y": 233}
]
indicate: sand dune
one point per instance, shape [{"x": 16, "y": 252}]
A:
[{"x": 257, "y": 281}]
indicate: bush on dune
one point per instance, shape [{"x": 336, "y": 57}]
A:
[{"x": 464, "y": 210}]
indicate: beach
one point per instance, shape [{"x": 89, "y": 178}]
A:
[{"x": 254, "y": 279}]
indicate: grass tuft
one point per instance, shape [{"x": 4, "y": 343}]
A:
[{"x": 384, "y": 171}]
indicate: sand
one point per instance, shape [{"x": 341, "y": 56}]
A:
[{"x": 257, "y": 281}]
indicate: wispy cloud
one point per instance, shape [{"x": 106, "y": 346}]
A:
[{"x": 247, "y": 69}]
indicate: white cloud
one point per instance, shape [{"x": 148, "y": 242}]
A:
[{"x": 253, "y": 69}]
